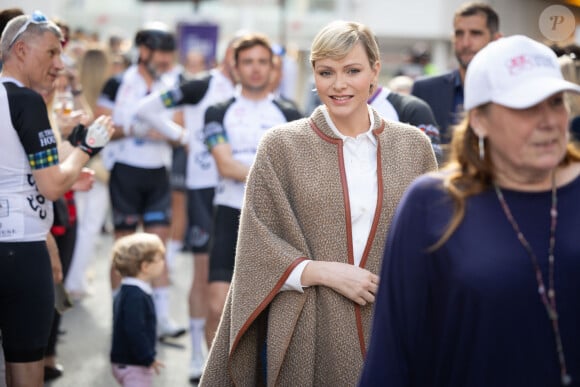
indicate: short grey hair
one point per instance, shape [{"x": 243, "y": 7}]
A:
[{"x": 34, "y": 29}]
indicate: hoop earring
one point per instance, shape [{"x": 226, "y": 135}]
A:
[{"x": 481, "y": 146}]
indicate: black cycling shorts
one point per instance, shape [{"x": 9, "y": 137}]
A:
[
  {"x": 139, "y": 194},
  {"x": 178, "y": 169},
  {"x": 200, "y": 219},
  {"x": 222, "y": 253},
  {"x": 26, "y": 300}
]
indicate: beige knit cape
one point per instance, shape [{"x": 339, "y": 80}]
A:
[{"x": 296, "y": 207}]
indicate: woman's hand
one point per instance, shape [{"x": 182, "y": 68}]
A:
[{"x": 353, "y": 282}]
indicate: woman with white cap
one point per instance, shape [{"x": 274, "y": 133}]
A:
[{"x": 480, "y": 280}]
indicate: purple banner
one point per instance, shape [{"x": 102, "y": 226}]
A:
[{"x": 200, "y": 37}]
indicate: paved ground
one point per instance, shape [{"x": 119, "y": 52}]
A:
[{"x": 83, "y": 349}]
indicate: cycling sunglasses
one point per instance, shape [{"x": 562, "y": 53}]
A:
[{"x": 36, "y": 18}]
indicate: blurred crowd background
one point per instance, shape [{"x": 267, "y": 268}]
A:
[{"x": 414, "y": 35}]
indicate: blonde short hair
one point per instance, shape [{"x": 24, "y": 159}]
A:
[
  {"x": 131, "y": 251},
  {"x": 338, "y": 38}
]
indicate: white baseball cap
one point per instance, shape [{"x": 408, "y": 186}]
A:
[{"x": 516, "y": 72}]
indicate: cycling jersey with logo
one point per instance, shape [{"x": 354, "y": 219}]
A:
[
  {"x": 196, "y": 96},
  {"x": 241, "y": 123},
  {"x": 28, "y": 144},
  {"x": 139, "y": 152}
]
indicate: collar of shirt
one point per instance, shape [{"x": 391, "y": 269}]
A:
[
  {"x": 238, "y": 95},
  {"x": 10, "y": 79},
  {"x": 377, "y": 93},
  {"x": 368, "y": 133},
  {"x": 139, "y": 283}
]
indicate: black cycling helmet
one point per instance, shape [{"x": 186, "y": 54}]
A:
[{"x": 155, "y": 38}]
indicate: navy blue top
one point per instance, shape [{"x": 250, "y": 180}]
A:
[
  {"x": 469, "y": 314},
  {"x": 134, "y": 325}
]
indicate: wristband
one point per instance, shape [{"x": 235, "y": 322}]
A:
[{"x": 77, "y": 135}]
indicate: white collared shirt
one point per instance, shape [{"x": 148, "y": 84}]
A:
[
  {"x": 360, "y": 163},
  {"x": 139, "y": 283}
]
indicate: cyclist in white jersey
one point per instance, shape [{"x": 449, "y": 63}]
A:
[
  {"x": 194, "y": 97},
  {"x": 139, "y": 182},
  {"x": 30, "y": 178}
]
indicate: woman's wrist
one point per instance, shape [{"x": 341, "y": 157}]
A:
[{"x": 311, "y": 275}]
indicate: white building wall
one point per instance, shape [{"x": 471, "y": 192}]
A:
[
  {"x": 429, "y": 20},
  {"x": 398, "y": 24}
]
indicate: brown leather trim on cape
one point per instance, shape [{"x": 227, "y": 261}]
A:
[
  {"x": 372, "y": 235},
  {"x": 378, "y": 209},
  {"x": 265, "y": 302},
  {"x": 379, "y": 206},
  {"x": 313, "y": 337},
  {"x": 338, "y": 142}
]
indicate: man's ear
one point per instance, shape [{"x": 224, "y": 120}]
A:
[{"x": 19, "y": 49}]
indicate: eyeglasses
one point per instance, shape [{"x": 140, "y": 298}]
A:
[{"x": 37, "y": 18}]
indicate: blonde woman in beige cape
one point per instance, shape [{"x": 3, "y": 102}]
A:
[{"x": 319, "y": 199}]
